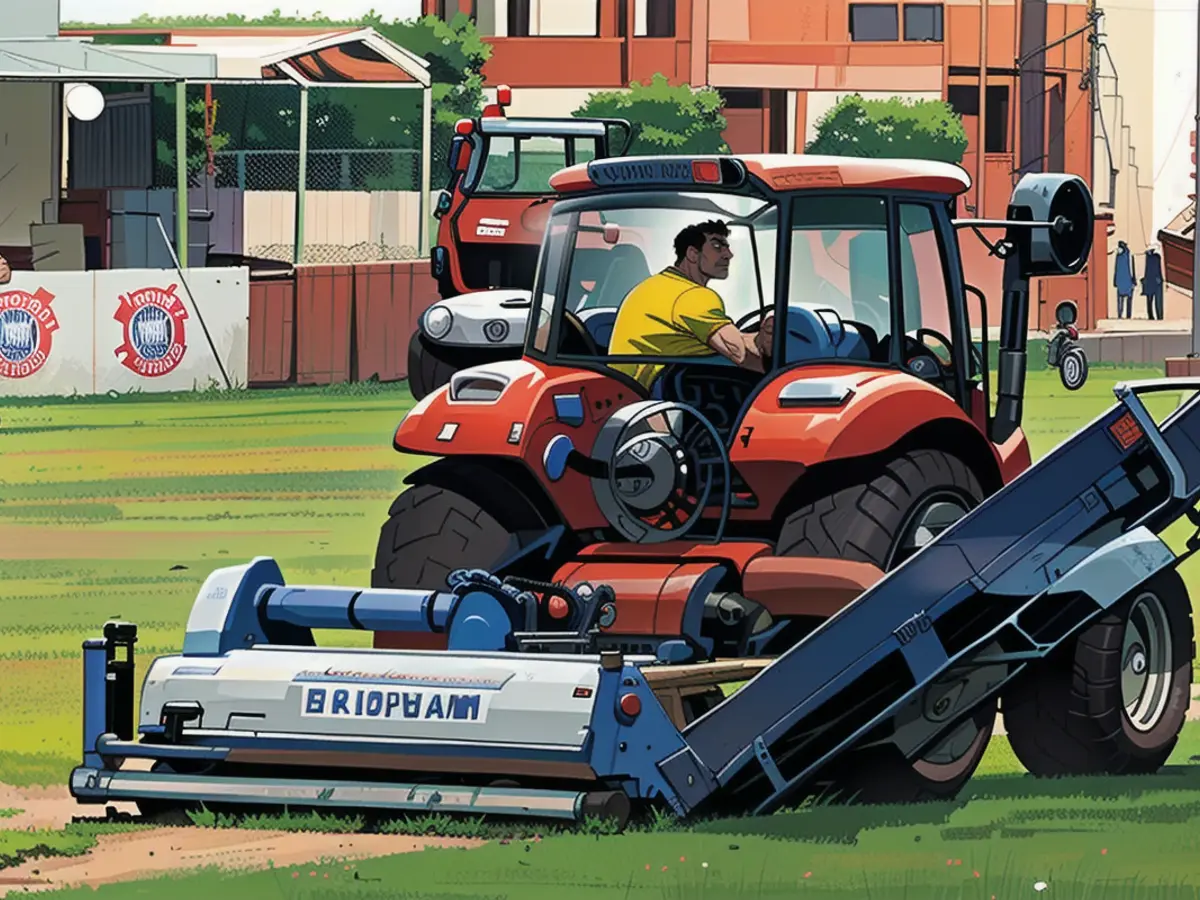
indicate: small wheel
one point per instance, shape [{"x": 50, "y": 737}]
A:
[{"x": 1113, "y": 700}]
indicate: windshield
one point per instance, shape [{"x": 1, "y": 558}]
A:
[
  {"x": 523, "y": 164},
  {"x": 619, "y": 242}
]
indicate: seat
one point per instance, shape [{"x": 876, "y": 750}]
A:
[{"x": 626, "y": 269}]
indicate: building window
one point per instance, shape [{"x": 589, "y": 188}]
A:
[
  {"x": 964, "y": 100},
  {"x": 874, "y": 22},
  {"x": 518, "y": 18},
  {"x": 923, "y": 22},
  {"x": 660, "y": 18},
  {"x": 741, "y": 98}
]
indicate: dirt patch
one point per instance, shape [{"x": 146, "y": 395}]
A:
[
  {"x": 48, "y": 807},
  {"x": 146, "y": 854}
]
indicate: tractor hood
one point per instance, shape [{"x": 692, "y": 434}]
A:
[{"x": 489, "y": 319}]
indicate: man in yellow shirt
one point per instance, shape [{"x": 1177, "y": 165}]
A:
[{"x": 676, "y": 313}]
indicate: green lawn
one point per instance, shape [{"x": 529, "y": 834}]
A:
[{"x": 121, "y": 507}]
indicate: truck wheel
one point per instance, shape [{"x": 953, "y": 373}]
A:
[
  {"x": 427, "y": 369},
  {"x": 886, "y": 521},
  {"x": 1113, "y": 700},
  {"x": 917, "y": 496},
  {"x": 431, "y": 531}
]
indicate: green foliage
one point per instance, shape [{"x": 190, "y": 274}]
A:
[
  {"x": 665, "y": 119},
  {"x": 893, "y": 128}
]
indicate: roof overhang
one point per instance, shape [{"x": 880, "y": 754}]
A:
[{"x": 358, "y": 58}]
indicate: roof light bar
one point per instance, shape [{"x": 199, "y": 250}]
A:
[{"x": 651, "y": 170}]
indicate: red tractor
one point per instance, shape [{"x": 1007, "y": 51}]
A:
[
  {"x": 491, "y": 217},
  {"x": 731, "y": 511}
]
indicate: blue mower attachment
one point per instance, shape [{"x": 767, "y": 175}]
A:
[{"x": 253, "y": 713}]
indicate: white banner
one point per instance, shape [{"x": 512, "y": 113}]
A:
[
  {"x": 132, "y": 329},
  {"x": 46, "y": 334},
  {"x": 151, "y": 336}
]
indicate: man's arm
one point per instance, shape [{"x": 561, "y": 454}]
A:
[
  {"x": 701, "y": 312},
  {"x": 743, "y": 349}
]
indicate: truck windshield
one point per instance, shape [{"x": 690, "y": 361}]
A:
[
  {"x": 523, "y": 164},
  {"x": 621, "y": 241}
]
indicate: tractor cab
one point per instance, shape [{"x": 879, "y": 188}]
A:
[
  {"x": 858, "y": 277},
  {"x": 493, "y": 209}
]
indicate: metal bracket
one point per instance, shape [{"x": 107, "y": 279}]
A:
[{"x": 763, "y": 755}]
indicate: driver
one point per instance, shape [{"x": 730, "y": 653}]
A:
[{"x": 676, "y": 313}]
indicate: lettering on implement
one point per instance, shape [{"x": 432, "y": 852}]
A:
[
  {"x": 353, "y": 702},
  {"x": 918, "y": 624},
  {"x": 809, "y": 178}
]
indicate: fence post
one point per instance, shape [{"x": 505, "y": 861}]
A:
[
  {"x": 181, "y": 174},
  {"x": 302, "y": 177},
  {"x": 241, "y": 170}
]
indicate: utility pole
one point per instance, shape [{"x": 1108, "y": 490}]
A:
[
  {"x": 981, "y": 137},
  {"x": 1195, "y": 207}
]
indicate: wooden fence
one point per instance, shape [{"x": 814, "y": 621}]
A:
[{"x": 332, "y": 324}]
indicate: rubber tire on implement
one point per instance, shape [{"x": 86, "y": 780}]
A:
[
  {"x": 865, "y": 523},
  {"x": 427, "y": 370},
  {"x": 431, "y": 531},
  {"x": 1066, "y": 714}
]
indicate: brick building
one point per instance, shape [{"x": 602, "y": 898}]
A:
[{"x": 782, "y": 64}]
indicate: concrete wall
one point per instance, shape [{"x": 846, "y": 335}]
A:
[
  {"x": 26, "y": 169},
  {"x": 88, "y": 332}
]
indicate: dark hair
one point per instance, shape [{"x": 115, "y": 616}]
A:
[{"x": 695, "y": 236}]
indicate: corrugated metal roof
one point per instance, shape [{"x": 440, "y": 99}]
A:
[{"x": 70, "y": 59}]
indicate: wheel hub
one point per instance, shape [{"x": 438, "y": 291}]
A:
[
  {"x": 931, "y": 517},
  {"x": 1146, "y": 663}
]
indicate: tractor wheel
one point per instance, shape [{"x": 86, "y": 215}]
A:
[
  {"x": 914, "y": 499},
  {"x": 431, "y": 531},
  {"x": 428, "y": 369},
  {"x": 1112, "y": 700},
  {"x": 886, "y": 521}
]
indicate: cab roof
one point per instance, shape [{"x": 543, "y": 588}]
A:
[{"x": 781, "y": 171}]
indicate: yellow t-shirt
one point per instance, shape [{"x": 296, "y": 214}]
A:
[{"x": 665, "y": 315}]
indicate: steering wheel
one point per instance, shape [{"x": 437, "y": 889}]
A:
[
  {"x": 749, "y": 317},
  {"x": 575, "y": 335},
  {"x": 924, "y": 363}
]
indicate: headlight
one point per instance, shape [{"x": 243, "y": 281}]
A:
[
  {"x": 438, "y": 320},
  {"x": 496, "y": 330}
]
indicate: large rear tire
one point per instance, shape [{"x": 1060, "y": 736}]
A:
[
  {"x": 431, "y": 531},
  {"x": 1111, "y": 701},
  {"x": 886, "y": 521}
]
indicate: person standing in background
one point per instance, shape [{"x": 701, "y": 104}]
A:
[
  {"x": 5, "y": 271},
  {"x": 1152, "y": 284},
  {"x": 1124, "y": 280}
]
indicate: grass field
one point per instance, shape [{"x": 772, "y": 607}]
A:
[{"x": 121, "y": 507}]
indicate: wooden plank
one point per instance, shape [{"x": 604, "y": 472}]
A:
[
  {"x": 324, "y": 301},
  {"x": 719, "y": 672},
  {"x": 272, "y": 332},
  {"x": 381, "y": 314}
]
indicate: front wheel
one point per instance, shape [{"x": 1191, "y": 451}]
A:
[
  {"x": 1113, "y": 700},
  {"x": 428, "y": 367}
]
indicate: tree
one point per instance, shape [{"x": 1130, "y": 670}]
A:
[
  {"x": 920, "y": 129},
  {"x": 665, "y": 119}
]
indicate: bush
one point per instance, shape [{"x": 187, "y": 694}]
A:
[
  {"x": 665, "y": 119},
  {"x": 920, "y": 129}
]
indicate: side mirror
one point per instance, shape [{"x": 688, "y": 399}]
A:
[
  {"x": 459, "y": 154},
  {"x": 1066, "y": 313},
  {"x": 444, "y": 199}
]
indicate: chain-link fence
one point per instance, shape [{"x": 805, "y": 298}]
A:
[{"x": 362, "y": 167}]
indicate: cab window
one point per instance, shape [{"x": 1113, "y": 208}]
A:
[
  {"x": 524, "y": 164},
  {"x": 839, "y": 295}
]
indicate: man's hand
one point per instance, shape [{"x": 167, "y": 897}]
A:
[
  {"x": 5, "y": 271},
  {"x": 765, "y": 338}
]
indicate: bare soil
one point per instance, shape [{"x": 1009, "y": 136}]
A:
[{"x": 145, "y": 854}]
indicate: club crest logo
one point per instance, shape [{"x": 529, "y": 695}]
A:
[
  {"x": 155, "y": 342},
  {"x": 27, "y": 326}
]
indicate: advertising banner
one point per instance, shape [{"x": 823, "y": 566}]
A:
[{"x": 46, "y": 334}]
